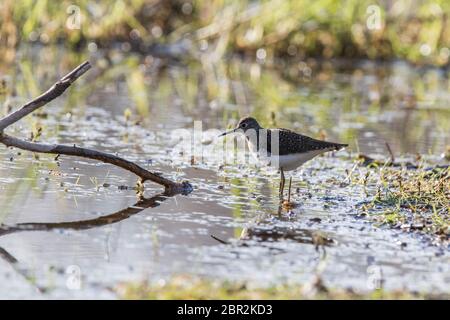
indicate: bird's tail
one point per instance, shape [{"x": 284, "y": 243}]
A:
[{"x": 339, "y": 146}]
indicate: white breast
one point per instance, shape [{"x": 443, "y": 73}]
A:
[{"x": 293, "y": 161}]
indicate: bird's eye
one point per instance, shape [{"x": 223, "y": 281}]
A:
[{"x": 243, "y": 125}]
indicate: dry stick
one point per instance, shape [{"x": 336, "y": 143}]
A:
[
  {"x": 86, "y": 153},
  {"x": 55, "y": 91},
  {"x": 218, "y": 239},
  {"x": 388, "y": 147},
  {"x": 5, "y": 255},
  {"x": 75, "y": 225}
]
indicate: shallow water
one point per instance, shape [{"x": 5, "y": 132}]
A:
[{"x": 366, "y": 105}]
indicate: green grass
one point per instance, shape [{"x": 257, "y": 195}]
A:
[
  {"x": 411, "y": 199},
  {"x": 417, "y": 31},
  {"x": 189, "y": 287}
]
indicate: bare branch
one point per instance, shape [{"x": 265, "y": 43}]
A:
[
  {"x": 55, "y": 91},
  {"x": 85, "y": 153},
  {"x": 388, "y": 147}
]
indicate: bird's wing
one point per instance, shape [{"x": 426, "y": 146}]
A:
[{"x": 292, "y": 142}]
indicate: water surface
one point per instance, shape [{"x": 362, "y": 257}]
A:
[{"x": 365, "y": 104}]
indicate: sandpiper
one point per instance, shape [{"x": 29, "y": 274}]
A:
[{"x": 283, "y": 148}]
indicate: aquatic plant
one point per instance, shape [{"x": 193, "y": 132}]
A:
[
  {"x": 414, "y": 30},
  {"x": 414, "y": 199}
]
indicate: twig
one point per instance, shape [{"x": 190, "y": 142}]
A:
[
  {"x": 115, "y": 217},
  {"x": 85, "y": 153},
  {"x": 55, "y": 91},
  {"x": 218, "y": 239},
  {"x": 390, "y": 153},
  {"x": 9, "y": 258}
]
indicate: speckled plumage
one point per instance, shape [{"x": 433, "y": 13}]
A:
[
  {"x": 294, "y": 149},
  {"x": 291, "y": 142}
]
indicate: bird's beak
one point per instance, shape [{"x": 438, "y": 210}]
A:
[{"x": 228, "y": 132}]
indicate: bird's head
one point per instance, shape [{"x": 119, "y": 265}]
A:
[{"x": 245, "y": 124}]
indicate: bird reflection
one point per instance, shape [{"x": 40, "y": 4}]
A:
[{"x": 273, "y": 234}]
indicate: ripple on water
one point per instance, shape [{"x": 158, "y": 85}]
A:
[{"x": 237, "y": 204}]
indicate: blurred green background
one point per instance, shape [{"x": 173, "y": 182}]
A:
[
  {"x": 418, "y": 31},
  {"x": 314, "y": 66}
]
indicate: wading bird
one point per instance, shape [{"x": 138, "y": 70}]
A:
[{"x": 281, "y": 148}]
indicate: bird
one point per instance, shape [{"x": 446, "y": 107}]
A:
[{"x": 281, "y": 148}]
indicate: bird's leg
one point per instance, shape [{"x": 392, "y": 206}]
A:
[
  {"x": 289, "y": 194},
  {"x": 279, "y": 189},
  {"x": 282, "y": 184}
]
